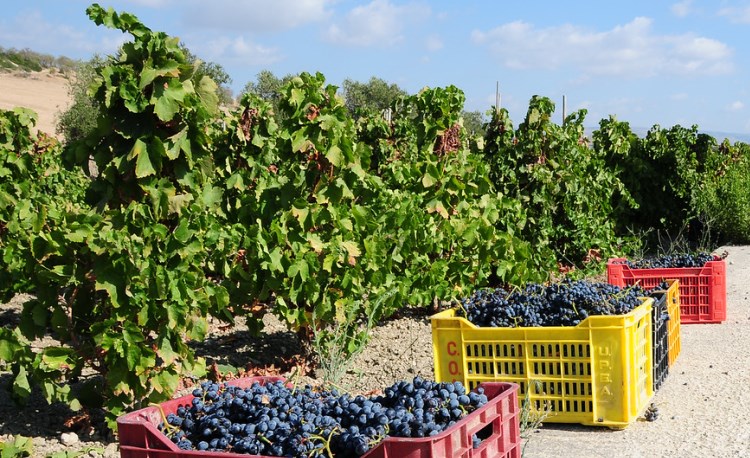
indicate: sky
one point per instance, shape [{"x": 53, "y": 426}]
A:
[{"x": 646, "y": 62}]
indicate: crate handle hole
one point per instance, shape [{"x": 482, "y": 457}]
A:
[{"x": 482, "y": 435}]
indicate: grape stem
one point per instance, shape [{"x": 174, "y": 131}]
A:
[
  {"x": 264, "y": 439},
  {"x": 380, "y": 437},
  {"x": 326, "y": 442},
  {"x": 169, "y": 429}
]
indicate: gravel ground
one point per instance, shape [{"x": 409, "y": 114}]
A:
[{"x": 702, "y": 404}]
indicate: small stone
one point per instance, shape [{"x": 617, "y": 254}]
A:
[
  {"x": 111, "y": 451},
  {"x": 69, "y": 439}
]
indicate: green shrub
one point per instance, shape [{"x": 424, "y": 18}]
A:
[
  {"x": 722, "y": 200},
  {"x": 661, "y": 173},
  {"x": 80, "y": 118}
]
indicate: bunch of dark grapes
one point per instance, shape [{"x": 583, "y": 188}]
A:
[
  {"x": 559, "y": 304},
  {"x": 274, "y": 420},
  {"x": 671, "y": 261}
]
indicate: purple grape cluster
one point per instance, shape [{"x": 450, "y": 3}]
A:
[
  {"x": 566, "y": 303},
  {"x": 671, "y": 261},
  {"x": 275, "y": 420}
]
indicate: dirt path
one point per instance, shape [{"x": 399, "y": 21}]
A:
[
  {"x": 45, "y": 93},
  {"x": 703, "y": 404}
]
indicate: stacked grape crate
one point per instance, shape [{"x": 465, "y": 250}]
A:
[{"x": 702, "y": 277}]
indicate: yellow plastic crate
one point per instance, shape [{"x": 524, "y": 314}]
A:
[
  {"x": 597, "y": 373},
  {"x": 673, "y": 327}
]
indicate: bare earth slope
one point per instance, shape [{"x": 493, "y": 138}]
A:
[{"x": 45, "y": 93}]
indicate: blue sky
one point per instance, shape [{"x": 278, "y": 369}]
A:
[{"x": 647, "y": 62}]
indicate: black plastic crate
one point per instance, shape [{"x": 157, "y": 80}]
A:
[{"x": 660, "y": 319}]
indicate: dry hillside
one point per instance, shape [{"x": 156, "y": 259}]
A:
[{"x": 43, "y": 92}]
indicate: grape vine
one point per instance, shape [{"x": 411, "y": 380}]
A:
[{"x": 197, "y": 212}]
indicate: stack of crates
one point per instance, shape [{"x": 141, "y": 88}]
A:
[
  {"x": 703, "y": 290},
  {"x": 660, "y": 337}
]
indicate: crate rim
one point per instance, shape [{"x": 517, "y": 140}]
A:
[
  {"x": 588, "y": 322},
  {"x": 623, "y": 261}
]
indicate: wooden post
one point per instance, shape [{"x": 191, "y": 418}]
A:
[
  {"x": 497, "y": 96},
  {"x": 563, "y": 109}
]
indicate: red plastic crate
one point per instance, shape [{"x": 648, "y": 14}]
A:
[
  {"x": 497, "y": 422},
  {"x": 703, "y": 290}
]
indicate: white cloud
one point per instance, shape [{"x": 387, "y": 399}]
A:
[
  {"x": 237, "y": 49},
  {"x": 737, "y": 15},
  {"x": 736, "y": 106},
  {"x": 254, "y": 15},
  {"x": 434, "y": 43},
  {"x": 683, "y": 8},
  {"x": 622, "y": 105},
  {"x": 379, "y": 23},
  {"x": 679, "y": 96},
  {"x": 31, "y": 30},
  {"x": 690, "y": 54},
  {"x": 630, "y": 50}
]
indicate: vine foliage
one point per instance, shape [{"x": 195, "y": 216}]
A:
[{"x": 293, "y": 208}]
